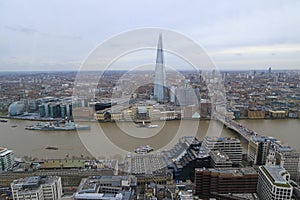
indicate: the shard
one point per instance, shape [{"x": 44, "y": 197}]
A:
[{"x": 160, "y": 90}]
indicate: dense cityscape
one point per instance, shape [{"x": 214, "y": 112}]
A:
[
  {"x": 149, "y": 100},
  {"x": 209, "y": 167}
]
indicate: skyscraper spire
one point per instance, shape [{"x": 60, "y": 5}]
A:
[{"x": 160, "y": 93}]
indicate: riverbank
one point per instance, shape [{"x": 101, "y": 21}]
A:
[{"x": 35, "y": 118}]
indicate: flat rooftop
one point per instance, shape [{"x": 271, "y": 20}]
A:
[
  {"x": 275, "y": 173},
  {"x": 115, "y": 181},
  {"x": 220, "y": 139},
  {"x": 232, "y": 171},
  {"x": 50, "y": 164},
  {"x": 98, "y": 196},
  {"x": 32, "y": 182},
  {"x": 147, "y": 164},
  {"x": 260, "y": 138}
]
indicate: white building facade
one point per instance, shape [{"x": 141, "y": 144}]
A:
[
  {"x": 37, "y": 188},
  {"x": 273, "y": 183},
  {"x": 231, "y": 146}
]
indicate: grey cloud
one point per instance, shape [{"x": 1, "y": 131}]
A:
[
  {"x": 28, "y": 30},
  {"x": 21, "y": 29}
]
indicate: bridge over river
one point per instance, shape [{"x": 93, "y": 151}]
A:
[{"x": 245, "y": 132}]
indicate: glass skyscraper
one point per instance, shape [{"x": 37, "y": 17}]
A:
[{"x": 160, "y": 90}]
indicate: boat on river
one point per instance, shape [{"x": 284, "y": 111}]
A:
[
  {"x": 143, "y": 149},
  {"x": 51, "y": 148},
  {"x": 152, "y": 126},
  {"x": 146, "y": 125},
  {"x": 50, "y": 126}
]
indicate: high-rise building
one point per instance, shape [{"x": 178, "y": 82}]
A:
[
  {"x": 160, "y": 89},
  {"x": 258, "y": 149},
  {"x": 172, "y": 94},
  {"x": 289, "y": 159},
  {"x": 210, "y": 182},
  {"x": 273, "y": 183},
  {"x": 37, "y": 188},
  {"x": 231, "y": 146},
  {"x": 187, "y": 96},
  {"x": 6, "y": 159}
]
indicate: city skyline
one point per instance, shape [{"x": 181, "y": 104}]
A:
[
  {"x": 250, "y": 35},
  {"x": 171, "y": 100}
]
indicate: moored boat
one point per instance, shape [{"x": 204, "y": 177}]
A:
[
  {"x": 152, "y": 126},
  {"x": 50, "y": 126},
  {"x": 143, "y": 149}
]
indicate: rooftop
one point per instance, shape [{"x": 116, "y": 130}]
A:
[
  {"x": 33, "y": 182},
  {"x": 147, "y": 164},
  {"x": 90, "y": 184},
  {"x": 219, "y": 156},
  {"x": 220, "y": 139},
  {"x": 142, "y": 109},
  {"x": 4, "y": 152},
  {"x": 258, "y": 138},
  {"x": 98, "y": 196},
  {"x": 275, "y": 175},
  {"x": 232, "y": 171},
  {"x": 50, "y": 164}
]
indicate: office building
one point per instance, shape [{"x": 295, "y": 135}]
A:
[
  {"x": 33, "y": 105},
  {"x": 172, "y": 94},
  {"x": 6, "y": 159},
  {"x": 205, "y": 108},
  {"x": 187, "y": 96},
  {"x": 106, "y": 187},
  {"x": 37, "y": 188},
  {"x": 258, "y": 149},
  {"x": 289, "y": 159},
  {"x": 210, "y": 182},
  {"x": 16, "y": 108},
  {"x": 219, "y": 159},
  {"x": 54, "y": 110},
  {"x": 44, "y": 110},
  {"x": 231, "y": 146},
  {"x": 185, "y": 156},
  {"x": 273, "y": 183},
  {"x": 271, "y": 159},
  {"x": 160, "y": 89}
]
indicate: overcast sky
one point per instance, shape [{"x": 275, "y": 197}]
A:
[{"x": 60, "y": 34}]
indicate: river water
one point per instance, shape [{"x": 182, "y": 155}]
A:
[{"x": 115, "y": 140}]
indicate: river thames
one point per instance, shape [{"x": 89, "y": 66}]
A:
[{"x": 115, "y": 140}]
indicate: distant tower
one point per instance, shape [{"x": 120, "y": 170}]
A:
[{"x": 160, "y": 92}]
